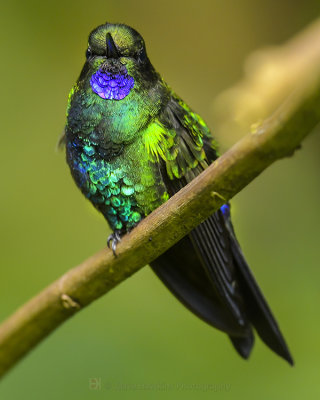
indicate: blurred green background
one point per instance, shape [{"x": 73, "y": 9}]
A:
[{"x": 139, "y": 334}]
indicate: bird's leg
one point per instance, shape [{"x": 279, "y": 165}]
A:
[{"x": 115, "y": 238}]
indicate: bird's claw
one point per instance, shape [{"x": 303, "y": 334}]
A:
[{"x": 115, "y": 239}]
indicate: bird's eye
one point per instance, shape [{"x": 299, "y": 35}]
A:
[
  {"x": 142, "y": 55},
  {"x": 88, "y": 53}
]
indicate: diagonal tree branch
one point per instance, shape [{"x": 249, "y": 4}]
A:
[{"x": 279, "y": 136}]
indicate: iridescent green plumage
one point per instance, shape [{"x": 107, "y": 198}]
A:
[
  {"x": 131, "y": 144},
  {"x": 119, "y": 144}
]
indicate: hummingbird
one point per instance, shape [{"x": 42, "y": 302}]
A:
[{"x": 131, "y": 144}]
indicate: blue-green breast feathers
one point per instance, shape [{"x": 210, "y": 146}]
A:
[{"x": 125, "y": 181}]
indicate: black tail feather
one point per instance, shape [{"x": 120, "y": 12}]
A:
[
  {"x": 243, "y": 345},
  {"x": 181, "y": 271},
  {"x": 257, "y": 308}
]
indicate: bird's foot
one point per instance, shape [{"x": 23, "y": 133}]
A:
[{"x": 114, "y": 239}]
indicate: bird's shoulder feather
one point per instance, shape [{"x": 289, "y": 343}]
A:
[{"x": 180, "y": 138}]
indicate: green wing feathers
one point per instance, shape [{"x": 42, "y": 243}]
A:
[{"x": 179, "y": 137}]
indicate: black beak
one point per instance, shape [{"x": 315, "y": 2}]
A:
[{"x": 112, "y": 51}]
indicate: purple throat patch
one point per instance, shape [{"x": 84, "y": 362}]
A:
[{"x": 112, "y": 83}]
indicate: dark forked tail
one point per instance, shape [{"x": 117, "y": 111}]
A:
[
  {"x": 257, "y": 308},
  {"x": 207, "y": 272}
]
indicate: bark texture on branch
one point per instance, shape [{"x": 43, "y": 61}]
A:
[{"x": 277, "y": 137}]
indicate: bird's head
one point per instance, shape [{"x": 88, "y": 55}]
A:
[
  {"x": 114, "y": 41},
  {"x": 116, "y": 61}
]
